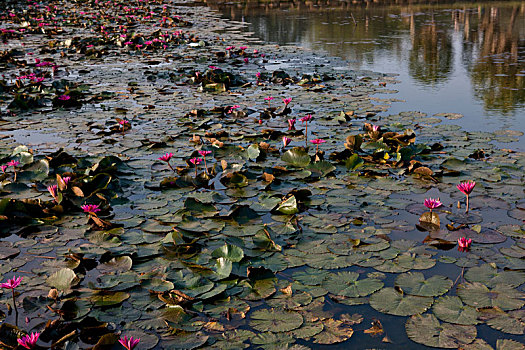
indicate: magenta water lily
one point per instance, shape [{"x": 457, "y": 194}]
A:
[
  {"x": 204, "y": 154},
  {"x": 286, "y": 141},
  {"x": 464, "y": 244},
  {"x": 466, "y": 188},
  {"x": 12, "y": 284},
  {"x": 129, "y": 343},
  {"x": 432, "y": 203},
  {"x": 291, "y": 124},
  {"x": 305, "y": 120},
  {"x": 287, "y": 101},
  {"x": 28, "y": 341},
  {"x": 317, "y": 142},
  {"x": 91, "y": 208},
  {"x": 166, "y": 158}
]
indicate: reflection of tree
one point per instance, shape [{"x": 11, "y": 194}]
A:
[
  {"x": 430, "y": 59},
  {"x": 488, "y": 37},
  {"x": 496, "y": 74}
]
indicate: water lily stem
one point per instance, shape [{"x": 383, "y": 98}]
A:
[
  {"x": 306, "y": 134},
  {"x": 14, "y": 170},
  {"x": 205, "y": 166},
  {"x": 466, "y": 210},
  {"x": 171, "y": 166},
  {"x": 195, "y": 170},
  {"x": 14, "y": 306}
]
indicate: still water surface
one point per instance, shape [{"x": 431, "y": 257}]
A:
[{"x": 466, "y": 58}]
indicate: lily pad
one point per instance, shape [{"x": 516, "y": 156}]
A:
[
  {"x": 427, "y": 330},
  {"x": 414, "y": 283},
  {"x": 451, "y": 309},
  {"x": 275, "y": 320},
  {"x": 393, "y": 302},
  {"x": 503, "y": 296},
  {"x": 347, "y": 284}
]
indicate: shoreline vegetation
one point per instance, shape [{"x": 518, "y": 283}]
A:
[{"x": 170, "y": 182}]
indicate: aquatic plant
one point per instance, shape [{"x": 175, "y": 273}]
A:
[
  {"x": 466, "y": 188},
  {"x": 166, "y": 158},
  {"x": 286, "y": 141},
  {"x": 431, "y": 203},
  {"x": 464, "y": 244},
  {"x": 29, "y": 340},
  {"x": 130, "y": 343}
]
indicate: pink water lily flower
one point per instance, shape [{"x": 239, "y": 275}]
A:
[
  {"x": 317, "y": 141},
  {"x": 286, "y": 141},
  {"x": 64, "y": 98},
  {"x": 13, "y": 163},
  {"x": 269, "y": 98},
  {"x": 66, "y": 180},
  {"x": 196, "y": 161},
  {"x": 90, "y": 208},
  {"x": 466, "y": 188},
  {"x": 204, "y": 153},
  {"x": 243, "y": 48},
  {"x": 130, "y": 343},
  {"x": 53, "y": 190},
  {"x": 12, "y": 283},
  {"x": 258, "y": 75},
  {"x": 233, "y": 108},
  {"x": 213, "y": 67},
  {"x": 4, "y": 168},
  {"x": 464, "y": 244},
  {"x": 287, "y": 101},
  {"x": 306, "y": 118},
  {"x": 431, "y": 203},
  {"x": 166, "y": 158},
  {"x": 246, "y": 60},
  {"x": 375, "y": 127},
  {"x": 28, "y": 341},
  {"x": 291, "y": 124}
]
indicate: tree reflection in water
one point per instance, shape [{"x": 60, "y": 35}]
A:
[{"x": 488, "y": 38}]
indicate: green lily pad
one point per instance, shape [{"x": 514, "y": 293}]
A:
[
  {"x": 334, "y": 332},
  {"x": 103, "y": 298},
  {"x": 509, "y": 344},
  {"x": 116, "y": 265},
  {"x": 64, "y": 279},
  {"x": 275, "y": 320},
  {"x": 347, "y": 284},
  {"x": 296, "y": 157},
  {"x": 230, "y": 252},
  {"x": 503, "y": 296},
  {"x": 288, "y": 206},
  {"x": 512, "y": 322},
  {"x": 451, "y": 309},
  {"x": 488, "y": 275},
  {"x": 427, "y": 330},
  {"x": 414, "y": 283},
  {"x": 393, "y": 302}
]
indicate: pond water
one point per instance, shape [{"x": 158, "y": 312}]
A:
[{"x": 466, "y": 58}]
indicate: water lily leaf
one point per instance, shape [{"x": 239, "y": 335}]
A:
[
  {"x": 489, "y": 276},
  {"x": 354, "y": 162},
  {"x": 228, "y": 251},
  {"x": 106, "y": 298},
  {"x": 296, "y": 157},
  {"x": 503, "y": 296},
  {"x": 334, "y": 332},
  {"x": 275, "y": 320},
  {"x": 64, "y": 279},
  {"x": 310, "y": 276},
  {"x": 430, "y": 221},
  {"x": 288, "y": 206},
  {"x": 347, "y": 284},
  {"x": 512, "y": 322},
  {"x": 253, "y": 151},
  {"x": 272, "y": 341},
  {"x": 321, "y": 168},
  {"x": 290, "y": 301},
  {"x": 465, "y": 218},
  {"x": 509, "y": 344},
  {"x": 451, "y": 309},
  {"x": 184, "y": 340},
  {"x": 427, "y": 330},
  {"x": 116, "y": 265},
  {"x": 414, "y": 283},
  {"x": 157, "y": 285},
  {"x": 393, "y": 302},
  {"x": 223, "y": 267}
]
